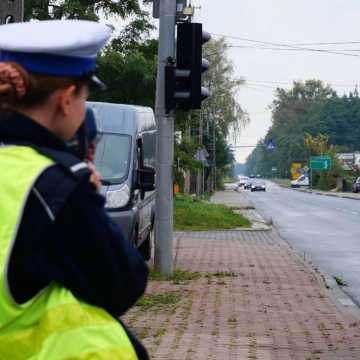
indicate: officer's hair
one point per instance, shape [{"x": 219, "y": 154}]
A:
[{"x": 38, "y": 88}]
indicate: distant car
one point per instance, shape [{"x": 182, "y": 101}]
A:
[
  {"x": 230, "y": 186},
  {"x": 302, "y": 180},
  {"x": 247, "y": 185},
  {"x": 258, "y": 176},
  {"x": 356, "y": 185},
  {"x": 258, "y": 186},
  {"x": 243, "y": 180}
]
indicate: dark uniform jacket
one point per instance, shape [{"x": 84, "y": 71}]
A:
[{"x": 66, "y": 236}]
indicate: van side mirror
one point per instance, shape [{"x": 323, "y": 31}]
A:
[{"x": 146, "y": 178}]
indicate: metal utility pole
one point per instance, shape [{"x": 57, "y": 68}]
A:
[
  {"x": 187, "y": 183},
  {"x": 165, "y": 144},
  {"x": 199, "y": 187},
  {"x": 11, "y": 11},
  {"x": 214, "y": 152}
]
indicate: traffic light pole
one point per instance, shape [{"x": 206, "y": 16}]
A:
[{"x": 165, "y": 144}]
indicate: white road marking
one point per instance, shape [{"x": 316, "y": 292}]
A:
[
  {"x": 346, "y": 302},
  {"x": 348, "y": 211}
]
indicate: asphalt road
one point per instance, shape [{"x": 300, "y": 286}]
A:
[{"x": 326, "y": 229}]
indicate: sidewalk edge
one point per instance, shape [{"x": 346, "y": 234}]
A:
[
  {"x": 315, "y": 192},
  {"x": 342, "y": 300}
]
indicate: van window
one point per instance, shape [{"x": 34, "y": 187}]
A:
[
  {"x": 112, "y": 158},
  {"x": 149, "y": 148}
]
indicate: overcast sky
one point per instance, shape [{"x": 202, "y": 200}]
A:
[{"x": 288, "y": 22}]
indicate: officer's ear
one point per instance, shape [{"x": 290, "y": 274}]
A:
[{"x": 66, "y": 98}]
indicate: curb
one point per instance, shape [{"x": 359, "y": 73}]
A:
[
  {"x": 269, "y": 228},
  {"x": 319, "y": 193},
  {"x": 342, "y": 300},
  {"x": 340, "y": 295},
  {"x": 258, "y": 220},
  {"x": 327, "y": 194}
]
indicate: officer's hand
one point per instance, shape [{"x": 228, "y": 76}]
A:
[
  {"x": 95, "y": 177},
  {"x": 90, "y": 156}
]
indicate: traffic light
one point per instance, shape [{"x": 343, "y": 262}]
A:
[
  {"x": 183, "y": 80},
  {"x": 11, "y": 11}
]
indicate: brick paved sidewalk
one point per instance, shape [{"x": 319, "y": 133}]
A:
[{"x": 254, "y": 300}]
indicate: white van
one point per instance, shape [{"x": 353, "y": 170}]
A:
[
  {"x": 125, "y": 158},
  {"x": 302, "y": 180}
]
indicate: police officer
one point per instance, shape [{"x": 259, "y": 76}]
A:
[{"x": 66, "y": 272}]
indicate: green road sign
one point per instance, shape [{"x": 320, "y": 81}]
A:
[{"x": 320, "y": 163}]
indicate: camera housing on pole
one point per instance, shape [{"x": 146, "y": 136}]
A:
[
  {"x": 11, "y": 11},
  {"x": 183, "y": 81}
]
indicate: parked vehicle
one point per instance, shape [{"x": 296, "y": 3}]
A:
[
  {"x": 230, "y": 186},
  {"x": 243, "y": 180},
  {"x": 247, "y": 185},
  {"x": 356, "y": 185},
  {"x": 125, "y": 158},
  {"x": 258, "y": 186},
  {"x": 302, "y": 180}
]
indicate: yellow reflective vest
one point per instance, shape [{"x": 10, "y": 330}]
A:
[{"x": 54, "y": 325}]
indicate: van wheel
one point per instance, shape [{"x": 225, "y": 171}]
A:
[{"x": 146, "y": 246}]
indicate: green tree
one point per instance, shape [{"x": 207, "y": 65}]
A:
[
  {"x": 222, "y": 105},
  {"x": 319, "y": 145},
  {"x": 130, "y": 75},
  {"x": 184, "y": 155},
  {"x": 223, "y": 115},
  {"x": 292, "y": 117},
  {"x": 80, "y": 9},
  {"x": 128, "y": 65},
  {"x": 310, "y": 111}
]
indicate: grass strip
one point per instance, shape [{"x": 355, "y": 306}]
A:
[
  {"x": 169, "y": 298},
  {"x": 176, "y": 277},
  {"x": 196, "y": 215}
]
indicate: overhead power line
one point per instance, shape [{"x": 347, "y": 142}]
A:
[
  {"x": 259, "y": 89},
  {"x": 288, "y": 46},
  {"x": 253, "y": 83},
  {"x": 266, "y": 83},
  {"x": 327, "y": 43},
  {"x": 296, "y": 43},
  {"x": 263, "y": 47}
]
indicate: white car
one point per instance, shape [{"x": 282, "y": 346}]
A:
[
  {"x": 230, "y": 186},
  {"x": 300, "y": 181},
  {"x": 243, "y": 180},
  {"x": 258, "y": 186}
]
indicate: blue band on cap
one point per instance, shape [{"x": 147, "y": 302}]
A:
[{"x": 56, "y": 65}]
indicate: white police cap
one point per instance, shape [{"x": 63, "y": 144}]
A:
[{"x": 55, "y": 47}]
